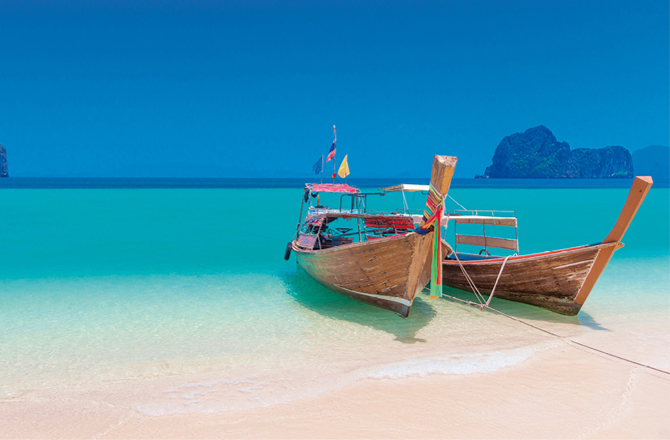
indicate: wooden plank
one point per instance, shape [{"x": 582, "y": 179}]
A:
[
  {"x": 497, "y": 221},
  {"x": 638, "y": 191},
  {"x": 478, "y": 240}
]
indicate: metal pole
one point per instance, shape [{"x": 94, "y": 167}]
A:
[
  {"x": 358, "y": 219},
  {"x": 335, "y": 142},
  {"x": 302, "y": 204},
  {"x": 322, "y": 168}
]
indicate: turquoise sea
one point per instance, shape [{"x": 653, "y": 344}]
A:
[{"x": 180, "y": 286}]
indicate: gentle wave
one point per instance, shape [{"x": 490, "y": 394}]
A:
[
  {"x": 252, "y": 391},
  {"x": 454, "y": 364}
]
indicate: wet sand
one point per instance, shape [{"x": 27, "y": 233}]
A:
[{"x": 562, "y": 392}]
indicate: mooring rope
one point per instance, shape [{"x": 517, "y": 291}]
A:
[
  {"x": 496, "y": 284},
  {"x": 478, "y": 295},
  {"x": 485, "y": 306},
  {"x": 462, "y": 207}
]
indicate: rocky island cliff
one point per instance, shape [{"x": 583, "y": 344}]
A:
[
  {"x": 536, "y": 153},
  {"x": 3, "y": 162}
]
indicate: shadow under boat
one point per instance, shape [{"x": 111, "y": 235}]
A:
[
  {"x": 526, "y": 312},
  {"x": 311, "y": 295}
]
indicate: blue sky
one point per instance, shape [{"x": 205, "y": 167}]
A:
[{"x": 252, "y": 88}]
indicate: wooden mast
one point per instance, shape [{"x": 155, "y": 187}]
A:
[{"x": 638, "y": 192}]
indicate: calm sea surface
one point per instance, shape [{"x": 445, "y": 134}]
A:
[{"x": 181, "y": 284}]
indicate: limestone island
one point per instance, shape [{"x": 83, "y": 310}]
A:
[
  {"x": 3, "y": 162},
  {"x": 536, "y": 153}
]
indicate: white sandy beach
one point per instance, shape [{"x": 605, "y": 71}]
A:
[{"x": 562, "y": 391}]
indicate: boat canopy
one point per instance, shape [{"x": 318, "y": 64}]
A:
[
  {"x": 331, "y": 187},
  {"x": 407, "y": 187}
]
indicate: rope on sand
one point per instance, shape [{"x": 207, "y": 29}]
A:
[{"x": 485, "y": 306}]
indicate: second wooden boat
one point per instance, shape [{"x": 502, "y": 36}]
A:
[{"x": 559, "y": 280}]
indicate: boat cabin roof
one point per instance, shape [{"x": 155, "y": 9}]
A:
[
  {"x": 409, "y": 187},
  {"x": 331, "y": 187},
  {"x": 316, "y": 217}
]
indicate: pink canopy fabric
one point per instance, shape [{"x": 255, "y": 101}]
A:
[
  {"x": 331, "y": 187},
  {"x": 315, "y": 219}
]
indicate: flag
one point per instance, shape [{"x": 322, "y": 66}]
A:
[
  {"x": 344, "y": 168},
  {"x": 331, "y": 152},
  {"x": 318, "y": 165}
]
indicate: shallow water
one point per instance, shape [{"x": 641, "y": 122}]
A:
[{"x": 186, "y": 292}]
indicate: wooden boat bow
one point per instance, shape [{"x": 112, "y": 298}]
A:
[
  {"x": 559, "y": 280},
  {"x": 638, "y": 191},
  {"x": 388, "y": 270}
]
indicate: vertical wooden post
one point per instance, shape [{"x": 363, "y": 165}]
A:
[
  {"x": 440, "y": 179},
  {"x": 441, "y": 175}
]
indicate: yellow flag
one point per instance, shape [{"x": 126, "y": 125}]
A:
[{"x": 344, "y": 168}]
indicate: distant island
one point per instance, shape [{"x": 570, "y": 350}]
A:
[
  {"x": 3, "y": 162},
  {"x": 536, "y": 153}
]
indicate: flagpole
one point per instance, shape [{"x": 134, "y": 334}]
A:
[
  {"x": 345, "y": 176},
  {"x": 335, "y": 141},
  {"x": 322, "y": 168}
]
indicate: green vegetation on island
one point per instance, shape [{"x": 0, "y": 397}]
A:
[
  {"x": 3, "y": 162},
  {"x": 536, "y": 153}
]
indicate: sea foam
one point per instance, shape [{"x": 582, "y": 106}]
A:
[{"x": 454, "y": 364}]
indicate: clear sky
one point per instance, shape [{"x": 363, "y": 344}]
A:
[{"x": 252, "y": 88}]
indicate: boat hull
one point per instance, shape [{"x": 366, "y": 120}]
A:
[
  {"x": 387, "y": 272},
  {"x": 551, "y": 280}
]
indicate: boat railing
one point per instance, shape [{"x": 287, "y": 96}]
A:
[
  {"x": 324, "y": 210},
  {"x": 317, "y": 210},
  {"x": 482, "y": 213},
  {"x": 491, "y": 218}
]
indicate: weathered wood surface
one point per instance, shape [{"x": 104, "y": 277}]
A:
[
  {"x": 480, "y": 240},
  {"x": 497, "y": 221},
  {"x": 559, "y": 281},
  {"x": 638, "y": 191},
  {"x": 550, "y": 280},
  {"x": 441, "y": 175},
  {"x": 387, "y": 272},
  {"x": 442, "y": 172}
]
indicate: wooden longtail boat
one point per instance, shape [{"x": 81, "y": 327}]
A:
[
  {"x": 387, "y": 265},
  {"x": 559, "y": 280}
]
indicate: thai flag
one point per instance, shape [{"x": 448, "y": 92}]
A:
[{"x": 331, "y": 153}]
